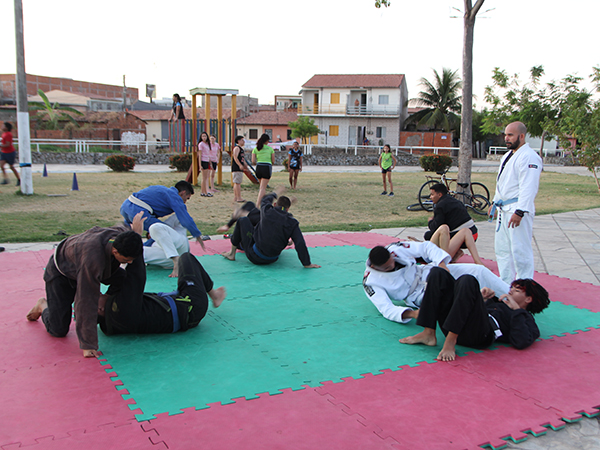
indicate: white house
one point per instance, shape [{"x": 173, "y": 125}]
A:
[{"x": 351, "y": 108}]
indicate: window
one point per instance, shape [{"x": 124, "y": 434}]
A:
[
  {"x": 380, "y": 132},
  {"x": 335, "y": 98},
  {"x": 253, "y": 133},
  {"x": 270, "y": 133},
  {"x": 384, "y": 99},
  {"x": 334, "y": 130}
]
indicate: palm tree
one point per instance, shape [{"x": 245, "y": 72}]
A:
[
  {"x": 53, "y": 112},
  {"x": 442, "y": 102}
]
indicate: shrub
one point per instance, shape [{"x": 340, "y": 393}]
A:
[
  {"x": 435, "y": 163},
  {"x": 181, "y": 162},
  {"x": 120, "y": 163}
]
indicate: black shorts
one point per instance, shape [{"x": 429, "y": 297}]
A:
[
  {"x": 264, "y": 170},
  {"x": 205, "y": 165},
  {"x": 214, "y": 166},
  {"x": 8, "y": 157},
  {"x": 386, "y": 170}
]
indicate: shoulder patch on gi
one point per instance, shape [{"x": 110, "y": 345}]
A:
[
  {"x": 368, "y": 289},
  {"x": 533, "y": 166}
]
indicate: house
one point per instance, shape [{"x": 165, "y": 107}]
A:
[
  {"x": 287, "y": 102},
  {"x": 353, "y": 109},
  {"x": 80, "y": 102},
  {"x": 274, "y": 123}
]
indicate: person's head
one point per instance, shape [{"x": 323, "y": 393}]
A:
[
  {"x": 262, "y": 141},
  {"x": 437, "y": 191},
  {"x": 204, "y": 137},
  {"x": 213, "y": 139},
  {"x": 387, "y": 148},
  {"x": 7, "y": 126},
  {"x": 127, "y": 246},
  {"x": 295, "y": 145},
  {"x": 380, "y": 259},
  {"x": 529, "y": 295},
  {"x": 514, "y": 135},
  {"x": 185, "y": 190},
  {"x": 176, "y": 98},
  {"x": 284, "y": 202},
  {"x": 239, "y": 140}
]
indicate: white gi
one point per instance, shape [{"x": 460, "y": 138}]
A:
[
  {"x": 520, "y": 180},
  {"x": 170, "y": 240},
  {"x": 408, "y": 283}
]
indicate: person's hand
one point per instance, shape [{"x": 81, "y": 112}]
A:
[
  {"x": 137, "y": 224},
  {"x": 509, "y": 301},
  {"x": 290, "y": 242},
  {"x": 490, "y": 211},
  {"x": 443, "y": 266},
  {"x": 487, "y": 293},
  {"x": 91, "y": 353},
  {"x": 201, "y": 242},
  {"x": 223, "y": 229},
  {"x": 312, "y": 266},
  {"x": 515, "y": 221},
  {"x": 279, "y": 190}
]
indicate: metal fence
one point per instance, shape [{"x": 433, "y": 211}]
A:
[
  {"x": 370, "y": 149},
  {"x": 84, "y": 145}
]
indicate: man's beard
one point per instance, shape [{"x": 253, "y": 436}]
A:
[{"x": 513, "y": 145}]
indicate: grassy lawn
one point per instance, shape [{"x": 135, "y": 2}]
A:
[{"x": 326, "y": 202}]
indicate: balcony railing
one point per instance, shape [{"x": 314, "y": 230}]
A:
[{"x": 361, "y": 110}]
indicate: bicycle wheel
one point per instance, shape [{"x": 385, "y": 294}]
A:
[
  {"x": 424, "y": 192},
  {"x": 479, "y": 204},
  {"x": 414, "y": 207},
  {"x": 480, "y": 189}
]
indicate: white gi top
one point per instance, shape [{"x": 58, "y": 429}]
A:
[
  {"x": 519, "y": 179},
  {"x": 408, "y": 283}
]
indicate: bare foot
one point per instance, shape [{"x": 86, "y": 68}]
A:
[
  {"x": 217, "y": 296},
  {"x": 36, "y": 311},
  {"x": 91, "y": 353},
  {"x": 173, "y": 274},
  {"x": 446, "y": 355},
  {"x": 229, "y": 256},
  {"x": 459, "y": 254},
  {"x": 425, "y": 337}
]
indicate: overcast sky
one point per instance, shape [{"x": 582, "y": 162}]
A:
[{"x": 268, "y": 47}]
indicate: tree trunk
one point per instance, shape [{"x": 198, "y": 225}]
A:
[
  {"x": 544, "y": 133},
  {"x": 466, "y": 128}
]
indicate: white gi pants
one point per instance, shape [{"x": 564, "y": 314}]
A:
[
  {"x": 514, "y": 252},
  {"x": 170, "y": 241}
]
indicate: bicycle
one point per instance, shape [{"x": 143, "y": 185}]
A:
[{"x": 476, "y": 198}]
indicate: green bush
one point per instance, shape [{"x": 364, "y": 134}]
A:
[
  {"x": 181, "y": 162},
  {"x": 120, "y": 163},
  {"x": 435, "y": 163}
]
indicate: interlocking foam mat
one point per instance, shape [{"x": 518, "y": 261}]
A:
[{"x": 294, "y": 358}]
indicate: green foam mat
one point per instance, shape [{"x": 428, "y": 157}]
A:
[{"x": 281, "y": 326}]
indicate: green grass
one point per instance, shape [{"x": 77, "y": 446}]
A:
[{"x": 326, "y": 202}]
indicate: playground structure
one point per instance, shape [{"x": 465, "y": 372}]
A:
[{"x": 187, "y": 132}]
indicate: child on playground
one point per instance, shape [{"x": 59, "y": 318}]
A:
[
  {"x": 8, "y": 153},
  {"x": 387, "y": 162}
]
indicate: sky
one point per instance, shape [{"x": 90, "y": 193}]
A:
[{"x": 265, "y": 48}]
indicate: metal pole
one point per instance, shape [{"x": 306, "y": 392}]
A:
[
  {"x": 220, "y": 134},
  {"x": 22, "y": 107}
]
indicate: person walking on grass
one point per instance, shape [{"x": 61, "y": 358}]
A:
[
  {"x": 264, "y": 158},
  {"x": 387, "y": 162},
  {"x": 8, "y": 153}
]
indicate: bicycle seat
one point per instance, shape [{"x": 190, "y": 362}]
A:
[
  {"x": 441, "y": 173},
  {"x": 463, "y": 185}
]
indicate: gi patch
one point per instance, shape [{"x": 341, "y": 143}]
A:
[
  {"x": 533, "y": 166},
  {"x": 368, "y": 289}
]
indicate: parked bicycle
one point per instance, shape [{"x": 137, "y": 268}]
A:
[{"x": 476, "y": 197}]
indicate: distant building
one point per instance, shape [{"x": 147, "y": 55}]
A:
[
  {"x": 80, "y": 102},
  {"x": 287, "y": 102},
  {"x": 97, "y": 91},
  {"x": 273, "y": 123},
  {"x": 354, "y": 109}
]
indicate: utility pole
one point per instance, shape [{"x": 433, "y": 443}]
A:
[
  {"x": 124, "y": 95},
  {"x": 22, "y": 107}
]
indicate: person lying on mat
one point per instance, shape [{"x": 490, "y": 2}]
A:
[
  {"x": 475, "y": 318},
  {"x": 264, "y": 242},
  {"x": 399, "y": 272},
  {"x": 128, "y": 309},
  {"x": 73, "y": 276}
]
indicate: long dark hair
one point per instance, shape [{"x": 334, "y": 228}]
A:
[
  {"x": 262, "y": 141},
  {"x": 207, "y": 138},
  {"x": 178, "y": 99}
]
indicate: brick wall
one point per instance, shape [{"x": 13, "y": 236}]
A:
[{"x": 425, "y": 139}]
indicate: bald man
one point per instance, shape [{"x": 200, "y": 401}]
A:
[{"x": 516, "y": 187}]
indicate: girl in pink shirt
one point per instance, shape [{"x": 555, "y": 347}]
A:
[
  {"x": 215, "y": 152},
  {"x": 204, "y": 157}
]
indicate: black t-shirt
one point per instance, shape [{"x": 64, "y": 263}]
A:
[{"x": 234, "y": 166}]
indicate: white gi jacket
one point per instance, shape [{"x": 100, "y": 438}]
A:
[
  {"x": 519, "y": 179},
  {"x": 408, "y": 283}
]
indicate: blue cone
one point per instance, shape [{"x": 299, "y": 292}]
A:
[
  {"x": 45, "y": 173},
  {"x": 75, "y": 186}
]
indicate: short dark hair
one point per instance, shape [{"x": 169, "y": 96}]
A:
[
  {"x": 129, "y": 244},
  {"x": 238, "y": 139},
  {"x": 533, "y": 289},
  {"x": 284, "y": 202},
  {"x": 379, "y": 255},
  {"x": 185, "y": 186},
  {"x": 439, "y": 188},
  {"x": 8, "y": 126}
]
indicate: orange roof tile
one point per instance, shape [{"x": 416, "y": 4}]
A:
[
  {"x": 355, "y": 81},
  {"x": 269, "y": 118}
]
